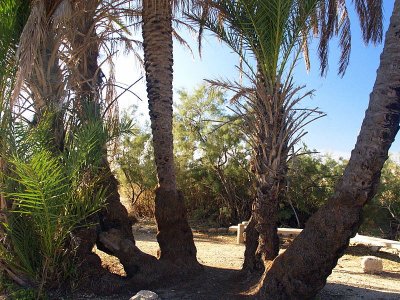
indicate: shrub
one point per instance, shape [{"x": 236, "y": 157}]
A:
[{"x": 50, "y": 194}]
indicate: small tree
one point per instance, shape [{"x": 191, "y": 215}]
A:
[
  {"x": 50, "y": 196},
  {"x": 311, "y": 181},
  {"x": 212, "y": 155},
  {"x": 136, "y": 162},
  {"x": 385, "y": 207}
]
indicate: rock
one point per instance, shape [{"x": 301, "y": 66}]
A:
[
  {"x": 145, "y": 295},
  {"x": 375, "y": 248},
  {"x": 371, "y": 265},
  {"x": 222, "y": 230}
]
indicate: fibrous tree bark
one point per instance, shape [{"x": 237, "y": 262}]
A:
[
  {"x": 302, "y": 270},
  {"x": 115, "y": 236},
  {"x": 269, "y": 163},
  {"x": 46, "y": 81},
  {"x": 267, "y": 107},
  {"x": 174, "y": 234},
  {"x": 252, "y": 259}
]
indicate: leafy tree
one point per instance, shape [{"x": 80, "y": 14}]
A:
[
  {"x": 136, "y": 162},
  {"x": 383, "y": 212},
  {"x": 311, "y": 181},
  {"x": 212, "y": 159},
  {"x": 212, "y": 156}
]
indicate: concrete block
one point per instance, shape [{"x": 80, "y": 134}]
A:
[{"x": 240, "y": 236}]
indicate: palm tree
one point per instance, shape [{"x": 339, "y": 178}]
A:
[
  {"x": 247, "y": 27},
  {"x": 271, "y": 32},
  {"x": 174, "y": 234},
  {"x": 66, "y": 49},
  {"x": 86, "y": 73},
  {"x": 301, "y": 271}
]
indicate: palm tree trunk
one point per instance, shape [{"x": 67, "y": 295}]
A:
[
  {"x": 46, "y": 84},
  {"x": 269, "y": 165},
  {"x": 302, "y": 270},
  {"x": 115, "y": 224},
  {"x": 269, "y": 193},
  {"x": 174, "y": 234},
  {"x": 252, "y": 259}
]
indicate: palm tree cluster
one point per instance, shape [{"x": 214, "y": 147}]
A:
[{"x": 59, "y": 115}]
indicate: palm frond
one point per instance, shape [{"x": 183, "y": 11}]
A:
[
  {"x": 333, "y": 20},
  {"x": 269, "y": 30}
]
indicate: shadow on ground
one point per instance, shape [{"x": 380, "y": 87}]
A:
[
  {"x": 340, "y": 291},
  {"x": 212, "y": 283}
]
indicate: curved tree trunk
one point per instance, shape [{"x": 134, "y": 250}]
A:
[
  {"x": 302, "y": 270},
  {"x": 115, "y": 236},
  {"x": 174, "y": 234},
  {"x": 252, "y": 259}
]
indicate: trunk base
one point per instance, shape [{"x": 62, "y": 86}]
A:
[
  {"x": 130, "y": 256},
  {"x": 174, "y": 234},
  {"x": 268, "y": 246},
  {"x": 301, "y": 271},
  {"x": 114, "y": 215},
  {"x": 252, "y": 260},
  {"x": 93, "y": 277}
]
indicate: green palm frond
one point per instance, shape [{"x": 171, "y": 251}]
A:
[
  {"x": 332, "y": 19},
  {"x": 13, "y": 15},
  {"x": 52, "y": 194},
  {"x": 42, "y": 197},
  {"x": 269, "y": 30},
  {"x": 23, "y": 257}
]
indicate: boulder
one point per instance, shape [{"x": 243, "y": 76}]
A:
[
  {"x": 371, "y": 265},
  {"x": 222, "y": 230},
  {"x": 145, "y": 295}
]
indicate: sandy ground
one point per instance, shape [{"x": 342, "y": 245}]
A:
[{"x": 221, "y": 252}]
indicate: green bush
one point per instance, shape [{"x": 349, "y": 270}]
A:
[{"x": 50, "y": 194}]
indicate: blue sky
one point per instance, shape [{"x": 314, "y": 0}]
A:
[{"x": 343, "y": 99}]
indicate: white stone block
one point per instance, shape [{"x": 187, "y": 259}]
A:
[{"x": 240, "y": 237}]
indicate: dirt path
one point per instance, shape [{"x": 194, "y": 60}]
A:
[{"x": 223, "y": 258}]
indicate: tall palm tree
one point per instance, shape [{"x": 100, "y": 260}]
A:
[
  {"x": 174, "y": 234},
  {"x": 66, "y": 49},
  {"x": 301, "y": 271},
  {"x": 272, "y": 32},
  {"x": 86, "y": 84},
  {"x": 247, "y": 24}
]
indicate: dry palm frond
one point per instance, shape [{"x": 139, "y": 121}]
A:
[
  {"x": 32, "y": 38},
  {"x": 332, "y": 19},
  {"x": 49, "y": 55},
  {"x": 370, "y": 15}
]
